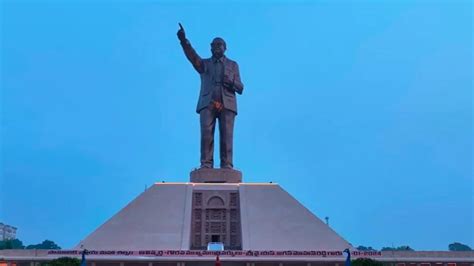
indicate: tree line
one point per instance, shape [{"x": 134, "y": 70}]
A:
[
  {"x": 456, "y": 246},
  {"x": 18, "y": 244}
]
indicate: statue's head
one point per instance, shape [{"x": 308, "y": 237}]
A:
[{"x": 218, "y": 47}]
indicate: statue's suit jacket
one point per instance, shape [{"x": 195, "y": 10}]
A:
[{"x": 205, "y": 67}]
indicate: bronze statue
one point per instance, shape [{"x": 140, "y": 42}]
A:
[{"x": 220, "y": 80}]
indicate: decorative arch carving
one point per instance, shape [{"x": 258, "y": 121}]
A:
[
  {"x": 215, "y": 202},
  {"x": 216, "y": 215}
]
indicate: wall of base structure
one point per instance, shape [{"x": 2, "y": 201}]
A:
[
  {"x": 186, "y": 216},
  {"x": 243, "y": 263}
]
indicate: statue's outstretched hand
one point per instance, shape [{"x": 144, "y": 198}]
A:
[{"x": 181, "y": 34}]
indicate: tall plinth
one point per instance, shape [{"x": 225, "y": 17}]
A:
[{"x": 215, "y": 175}]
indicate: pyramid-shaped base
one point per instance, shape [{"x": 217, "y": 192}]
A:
[{"x": 182, "y": 216}]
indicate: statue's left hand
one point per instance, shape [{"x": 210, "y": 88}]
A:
[{"x": 228, "y": 83}]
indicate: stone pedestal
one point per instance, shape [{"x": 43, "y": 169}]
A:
[{"x": 215, "y": 175}]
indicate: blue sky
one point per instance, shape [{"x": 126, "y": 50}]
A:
[{"x": 362, "y": 110}]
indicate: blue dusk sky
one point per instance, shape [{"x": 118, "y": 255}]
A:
[{"x": 362, "y": 110}]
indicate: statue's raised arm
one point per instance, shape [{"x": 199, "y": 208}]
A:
[{"x": 189, "y": 51}]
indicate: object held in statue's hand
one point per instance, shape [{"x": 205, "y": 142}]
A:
[{"x": 217, "y": 105}]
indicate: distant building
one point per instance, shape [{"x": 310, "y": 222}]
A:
[{"x": 7, "y": 232}]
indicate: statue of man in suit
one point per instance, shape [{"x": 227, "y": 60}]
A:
[{"x": 220, "y": 80}]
